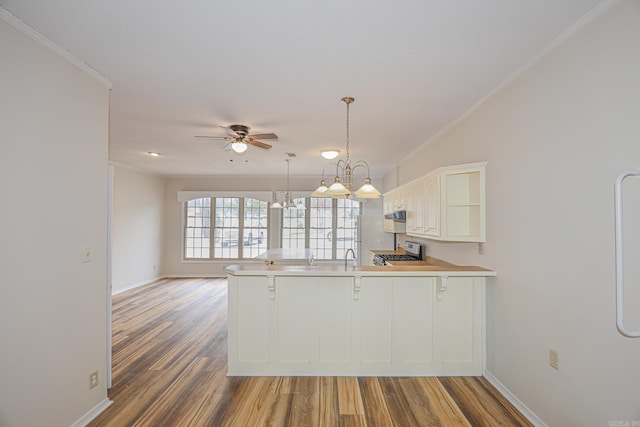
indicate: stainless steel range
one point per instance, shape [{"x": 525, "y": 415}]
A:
[{"x": 413, "y": 252}]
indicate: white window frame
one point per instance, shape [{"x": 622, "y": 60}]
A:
[{"x": 185, "y": 196}]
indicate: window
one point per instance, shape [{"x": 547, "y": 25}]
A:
[
  {"x": 239, "y": 228},
  {"x": 328, "y": 226},
  {"x": 294, "y": 227}
]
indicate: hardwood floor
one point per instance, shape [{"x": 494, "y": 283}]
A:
[{"x": 169, "y": 369}]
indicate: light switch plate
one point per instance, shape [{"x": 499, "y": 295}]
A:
[{"x": 87, "y": 254}]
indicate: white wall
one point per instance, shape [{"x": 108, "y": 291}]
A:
[
  {"x": 555, "y": 139},
  {"x": 137, "y": 228},
  {"x": 53, "y": 192}
]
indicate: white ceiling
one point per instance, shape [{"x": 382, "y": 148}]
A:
[{"x": 184, "y": 68}]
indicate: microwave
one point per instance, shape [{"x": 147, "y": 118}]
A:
[{"x": 397, "y": 216}]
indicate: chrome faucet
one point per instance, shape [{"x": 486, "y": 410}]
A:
[{"x": 346, "y": 254}]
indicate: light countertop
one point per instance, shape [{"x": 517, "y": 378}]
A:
[
  {"x": 282, "y": 254},
  {"x": 413, "y": 268}
]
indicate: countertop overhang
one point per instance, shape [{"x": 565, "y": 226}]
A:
[{"x": 415, "y": 269}]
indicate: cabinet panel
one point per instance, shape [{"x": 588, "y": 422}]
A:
[
  {"x": 416, "y": 201},
  {"x": 458, "y": 321},
  {"x": 334, "y": 319},
  {"x": 293, "y": 320},
  {"x": 318, "y": 325},
  {"x": 413, "y": 306},
  {"x": 463, "y": 210},
  {"x": 446, "y": 204},
  {"x": 375, "y": 320},
  {"x": 252, "y": 320},
  {"x": 432, "y": 206}
]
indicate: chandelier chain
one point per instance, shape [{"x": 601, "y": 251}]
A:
[{"x": 348, "y": 131}]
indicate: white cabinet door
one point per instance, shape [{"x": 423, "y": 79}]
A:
[
  {"x": 416, "y": 201},
  {"x": 432, "y": 205},
  {"x": 375, "y": 309},
  {"x": 293, "y": 320},
  {"x": 313, "y": 320},
  {"x": 459, "y": 324},
  {"x": 333, "y": 302},
  {"x": 413, "y": 300},
  {"x": 248, "y": 320}
]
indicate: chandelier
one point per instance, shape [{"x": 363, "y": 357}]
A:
[
  {"x": 343, "y": 182},
  {"x": 288, "y": 202}
]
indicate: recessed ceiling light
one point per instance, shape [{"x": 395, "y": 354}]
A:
[
  {"x": 330, "y": 154},
  {"x": 153, "y": 154}
]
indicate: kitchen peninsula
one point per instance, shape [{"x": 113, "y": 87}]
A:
[{"x": 417, "y": 320}]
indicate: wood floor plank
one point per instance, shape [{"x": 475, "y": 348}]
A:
[
  {"x": 441, "y": 403},
  {"x": 373, "y": 402},
  {"x": 329, "y": 409},
  {"x": 426, "y": 407},
  {"x": 170, "y": 364},
  {"x": 399, "y": 408},
  {"x": 475, "y": 398},
  {"x": 349, "y": 398}
]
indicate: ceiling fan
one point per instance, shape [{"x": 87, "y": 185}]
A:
[{"x": 239, "y": 138}]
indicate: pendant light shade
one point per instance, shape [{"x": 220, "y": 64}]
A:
[
  {"x": 337, "y": 189},
  {"x": 367, "y": 191},
  {"x": 321, "y": 191}
]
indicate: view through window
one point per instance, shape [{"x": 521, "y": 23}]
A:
[
  {"x": 239, "y": 227},
  {"x": 327, "y": 226}
]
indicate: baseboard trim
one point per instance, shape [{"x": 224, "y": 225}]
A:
[
  {"x": 137, "y": 285},
  {"x": 195, "y": 276},
  {"x": 533, "y": 418},
  {"x": 93, "y": 413}
]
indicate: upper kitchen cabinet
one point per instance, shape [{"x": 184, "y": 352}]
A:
[
  {"x": 463, "y": 203},
  {"x": 416, "y": 211},
  {"x": 432, "y": 205},
  {"x": 395, "y": 200},
  {"x": 446, "y": 204}
]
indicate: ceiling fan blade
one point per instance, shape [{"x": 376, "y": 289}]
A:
[
  {"x": 257, "y": 143},
  {"x": 230, "y": 131},
  {"x": 227, "y": 147},
  {"x": 211, "y": 137},
  {"x": 264, "y": 136}
]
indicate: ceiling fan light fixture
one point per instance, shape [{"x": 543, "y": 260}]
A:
[
  {"x": 330, "y": 154},
  {"x": 239, "y": 147}
]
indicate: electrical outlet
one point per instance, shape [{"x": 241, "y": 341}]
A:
[
  {"x": 481, "y": 248},
  {"x": 93, "y": 379},
  {"x": 553, "y": 358}
]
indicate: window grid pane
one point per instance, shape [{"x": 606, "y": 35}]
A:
[
  {"x": 293, "y": 227},
  {"x": 347, "y": 216},
  {"x": 198, "y": 229},
  {"x": 227, "y": 227},
  {"x": 254, "y": 228},
  {"x": 321, "y": 227}
]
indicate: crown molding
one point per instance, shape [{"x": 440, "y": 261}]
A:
[{"x": 21, "y": 26}]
